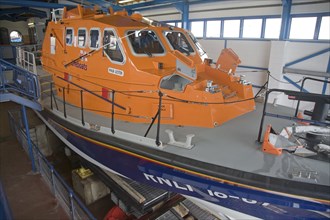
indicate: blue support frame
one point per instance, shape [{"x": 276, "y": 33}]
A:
[
  {"x": 324, "y": 88},
  {"x": 307, "y": 57},
  {"x": 317, "y": 27},
  {"x": 27, "y": 130},
  {"x": 253, "y": 67},
  {"x": 183, "y": 7},
  {"x": 35, "y": 4},
  {"x": 5, "y": 211},
  {"x": 263, "y": 28},
  {"x": 286, "y": 11}
]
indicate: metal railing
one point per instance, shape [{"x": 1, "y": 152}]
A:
[
  {"x": 56, "y": 14},
  {"x": 310, "y": 97},
  {"x": 302, "y": 89},
  {"x": 70, "y": 202},
  {"x": 16, "y": 79},
  {"x": 113, "y": 105},
  {"x": 26, "y": 60}
]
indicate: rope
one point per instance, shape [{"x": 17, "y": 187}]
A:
[{"x": 281, "y": 80}]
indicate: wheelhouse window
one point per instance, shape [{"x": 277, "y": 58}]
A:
[
  {"x": 145, "y": 42},
  {"x": 111, "y": 47},
  {"x": 82, "y": 35},
  {"x": 69, "y": 36},
  {"x": 199, "y": 47},
  {"x": 178, "y": 41},
  {"x": 94, "y": 38}
]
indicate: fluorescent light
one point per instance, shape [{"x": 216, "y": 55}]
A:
[{"x": 125, "y": 1}]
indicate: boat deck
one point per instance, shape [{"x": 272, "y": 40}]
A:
[{"x": 233, "y": 144}]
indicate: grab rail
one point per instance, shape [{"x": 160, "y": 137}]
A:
[{"x": 113, "y": 104}]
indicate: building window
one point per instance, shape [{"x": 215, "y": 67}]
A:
[
  {"x": 302, "y": 28},
  {"x": 171, "y": 23},
  {"x": 252, "y": 28},
  {"x": 197, "y": 28},
  {"x": 82, "y": 37},
  {"x": 273, "y": 28},
  {"x": 179, "y": 24},
  {"x": 231, "y": 28},
  {"x": 69, "y": 36},
  {"x": 16, "y": 37},
  {"x": 111, "y": 46},
  {"x": 324, "y": 33},
  {"x": 213, "y": 28},
  {"x": 94, "y": 38}
]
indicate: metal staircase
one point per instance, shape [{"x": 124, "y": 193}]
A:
[{"x": 19, "y": 85}]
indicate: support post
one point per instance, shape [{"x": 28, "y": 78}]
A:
[
  {"x": 71, "y": 205},
  {"x": 113, "y": 112},
  {"x": 286, "y": 11},
  {"x": 51, "y": 96},
  {"x": 27, "y": 130},
  {"x": 263, "y": 117},
  {"x": 159, "y": 117},
  {"x": 53, "y": 180},
  {"x": 64, "y": 106},
  {"x": 183, "y": 7},
  {"x": 82, "y": 107},
  {"x": 2, "y": 75}
]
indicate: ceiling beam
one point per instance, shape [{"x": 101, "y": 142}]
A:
[
  {"x": 20, "y": 14},
  {"x": 161, "y": 3},
  {"x": 34, "y": 4},
  {"x": 103, "y": 4}
]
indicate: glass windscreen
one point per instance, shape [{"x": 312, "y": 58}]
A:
[
  {"x": 201, "y": 51},
  {"x": 145, "y": 42},
  {"x": 178, "y": 41}
]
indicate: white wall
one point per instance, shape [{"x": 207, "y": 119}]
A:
[{"x": 20, "y": 26}]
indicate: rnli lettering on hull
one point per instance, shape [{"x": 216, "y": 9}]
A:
[{"x": 186, "y": 187}]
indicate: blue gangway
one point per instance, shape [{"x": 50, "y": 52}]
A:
[{"x": 19, "y": 85}]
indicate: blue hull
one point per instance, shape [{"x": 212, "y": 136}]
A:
[{"x": 168, "y": 175}]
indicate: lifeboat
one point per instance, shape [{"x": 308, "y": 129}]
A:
[
  {"x": 142, "y": 99},
  {"x": 123, "y": 55}
]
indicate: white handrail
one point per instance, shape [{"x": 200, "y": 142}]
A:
[
  {"x": 26, "y": 60},
  {"x": 57, "y": 16}
]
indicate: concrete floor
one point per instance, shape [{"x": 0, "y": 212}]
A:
[{"x": 28, "y": 195}]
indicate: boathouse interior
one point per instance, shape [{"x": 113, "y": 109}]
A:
[{"x": 279, "y": 44}]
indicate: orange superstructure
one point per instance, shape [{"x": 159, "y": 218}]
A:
[{"x": 137, "y": 58}]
